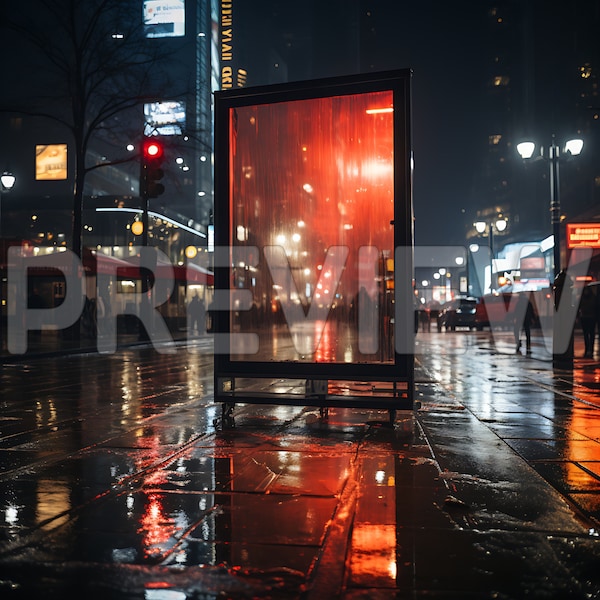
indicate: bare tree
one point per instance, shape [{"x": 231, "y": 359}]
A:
[{"x": 92, "y": 66}]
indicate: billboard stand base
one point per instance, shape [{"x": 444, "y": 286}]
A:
[{"x": 226, "y": 420}]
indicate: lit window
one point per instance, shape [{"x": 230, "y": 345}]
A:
[
  {"x": 586, "y": 71},
  {"x": 501, "y": 80},
  {"x": 494, "y": 140}
]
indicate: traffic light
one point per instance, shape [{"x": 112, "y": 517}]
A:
[{"x": 152, "y": 159}]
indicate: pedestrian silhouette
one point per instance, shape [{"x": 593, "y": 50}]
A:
[
  {"x": 523, "y": 319},
  {"x": 587, "y": 319},
  {"x": 196, "y": 315}
]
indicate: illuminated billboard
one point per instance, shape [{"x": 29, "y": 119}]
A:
[
  {"x": 313, "y": 204},
  {"x": 164, "y": 118},
  {"x": 164, "y": 18},
  {"x": 50, "y": 162}
]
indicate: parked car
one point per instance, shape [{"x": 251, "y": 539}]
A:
[{"x": 458, "y": 313}]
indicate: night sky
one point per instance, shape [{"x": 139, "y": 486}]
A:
[
  {"x": 446, "y": 44},
  {"x": 440, "y": 43},
  {"x": 451, "y": 48},
  {"x": 444, "y": 51}
]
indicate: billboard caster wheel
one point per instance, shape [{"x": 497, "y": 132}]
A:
[{"x": 227, "y": 419}]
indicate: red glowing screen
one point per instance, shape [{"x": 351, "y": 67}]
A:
[
  {"x": 306, "y": 176},
  {"x": 319, "y": 168},
  {"x": 317, "y": 179}
]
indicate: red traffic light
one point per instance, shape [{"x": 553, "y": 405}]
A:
[
  {"x": 152, "y": 159},
  {"x": 153, "y": 150}
]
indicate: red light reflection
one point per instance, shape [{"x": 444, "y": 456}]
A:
[
  {"x": 374, "y": 554},
  {"x": 326, "y": 348},
  {"x": 155, "y": 526}
]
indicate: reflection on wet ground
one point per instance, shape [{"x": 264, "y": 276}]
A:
[
  {"x": 551, "y": 418},
  {"x": 116, "y": 481}
]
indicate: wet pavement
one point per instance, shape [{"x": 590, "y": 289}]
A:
[{"x": 118, "y": 481}]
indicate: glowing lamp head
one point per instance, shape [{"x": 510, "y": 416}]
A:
[
  {"x": 526, "y": 149},
  {"x": 191, "y": 251},
  {"x": 501, "y": 224},
  {"x": 574, "y": 147},
  {"x": 137, "y": 227},
  {"x": 8, "y": 180}
]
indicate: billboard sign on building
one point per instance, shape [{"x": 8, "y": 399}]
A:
[
  {"x": 164, "y": 118},
  {"x": 232, "y": 75},
  {"x": 50, "y": 162},
  {"x": 164, "y": 18}
]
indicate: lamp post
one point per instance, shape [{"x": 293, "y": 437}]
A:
[
  {"x": 7, "y": 181},
  {"x": 572, "y": 147},
  {"x": 500, "y": 226}
]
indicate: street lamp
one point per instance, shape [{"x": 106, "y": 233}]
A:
[
  {"x": 572, "y": 147},
  {"x": 499, "y": 225},
  {"x": 7, "y": 181}
]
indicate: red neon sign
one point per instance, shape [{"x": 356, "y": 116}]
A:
[{"x": 583, "y": 234}]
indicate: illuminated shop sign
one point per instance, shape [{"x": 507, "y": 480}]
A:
[
  {"x": 583, "y": 234},
  {"x": 50, "y": 162},
  {"x": 231, "y": 75},
  {"x": 164, "y": 118},
  {"x": 164, "y": 18}
]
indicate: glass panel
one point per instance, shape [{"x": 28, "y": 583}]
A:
[{"x": 312, "y": 189}]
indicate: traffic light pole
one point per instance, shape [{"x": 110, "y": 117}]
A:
[
  {"x": 145, "y": 201},
  {"x": 151, "y": 157},
  {"x": 145, "y": 305}
]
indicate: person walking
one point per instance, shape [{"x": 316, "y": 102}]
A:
[
  {"x": 523, "y": 319},
  {"x": 587, "y": 318},
  {"x": 196, "y": 316}
]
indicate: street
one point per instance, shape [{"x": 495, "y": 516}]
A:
[{"x": 117, "y": 480}]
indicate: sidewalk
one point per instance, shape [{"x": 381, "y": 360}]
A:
[
  {"x": 53, "y": 343},
  {"x": 115, "y": 483}
]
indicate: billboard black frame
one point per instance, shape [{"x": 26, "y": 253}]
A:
[{"x": 400, "y": 371}]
